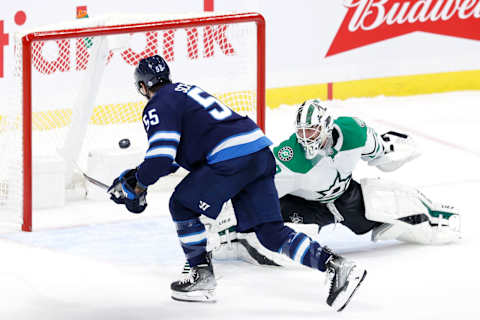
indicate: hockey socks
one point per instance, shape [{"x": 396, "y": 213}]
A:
[
  {"x": 301, "y": 248},
  {"x": 297, "y": 246},
  {"x": 193, "y": 239}
]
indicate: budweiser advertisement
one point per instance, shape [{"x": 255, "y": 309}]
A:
[{"x": 370, "y": 21}]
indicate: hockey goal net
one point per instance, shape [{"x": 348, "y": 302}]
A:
[{"x": 76, "y": 95}]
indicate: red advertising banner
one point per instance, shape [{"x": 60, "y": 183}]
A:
[{"x": 370, "y": 21}]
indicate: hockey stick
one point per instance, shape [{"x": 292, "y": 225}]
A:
[
  {"x": 116, "y": 192},
  {"x": 90, "y": 179},
  {"x": 95, "y": 182}
]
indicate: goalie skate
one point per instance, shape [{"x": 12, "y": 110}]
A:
[
  {"x": 344, "y": 278},
  {"x": 197, "y": 286}
]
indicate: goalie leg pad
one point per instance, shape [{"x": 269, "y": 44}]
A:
[
  {"x": 227, "y": 244},
  {"x": 408, "y": 215},
  {"x": 222, "y": 235}
]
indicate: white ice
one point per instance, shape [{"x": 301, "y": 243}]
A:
[{"x": 109, "y": 264}]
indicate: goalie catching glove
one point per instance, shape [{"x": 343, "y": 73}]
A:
[
  {"x": 128, "y": 191},
  {"x": 399, "y": 149}
]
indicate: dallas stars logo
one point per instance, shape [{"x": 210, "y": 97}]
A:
[
  {"x": 336, "y": 189},
  {"x": 285, "y": 154},
  {"x": 296, "y": 218}
]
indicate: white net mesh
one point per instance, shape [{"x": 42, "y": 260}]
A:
[
  {"x": 93, "y": 76},
  {"x": 11, "y": 143}
]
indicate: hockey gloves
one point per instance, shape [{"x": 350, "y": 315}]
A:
[
  {"x": 389, "y": 139},
  {"x": 122, "y": 191},
  {"x": 399, "y": 149}
]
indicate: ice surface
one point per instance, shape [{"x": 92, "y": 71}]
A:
[{"x": 109, "y": 264}]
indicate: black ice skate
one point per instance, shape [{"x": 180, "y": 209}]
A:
[
  {"x": 344, "y": 278},
  {"x": 198, "y": 285}
]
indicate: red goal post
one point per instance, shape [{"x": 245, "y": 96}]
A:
[{"x": 28, "y": 64}]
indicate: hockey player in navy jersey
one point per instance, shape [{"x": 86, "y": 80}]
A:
[{"x": 228, "y": 158}]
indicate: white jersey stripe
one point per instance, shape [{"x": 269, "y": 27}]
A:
[
  {"x": 166, "y": 151},
  {"x": 237, "y": 140},
  {"x": 165, "y": 136}
]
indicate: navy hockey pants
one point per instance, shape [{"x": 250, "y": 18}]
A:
[{"x": 248, "y": 181}]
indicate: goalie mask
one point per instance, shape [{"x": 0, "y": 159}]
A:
[{"x": 313, "y": 127}]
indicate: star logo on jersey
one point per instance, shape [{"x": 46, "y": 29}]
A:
[
  {"x": 285, "y": 154},
  {"x": 296, "y": 218},
  {"x": 337, "y": 188}
]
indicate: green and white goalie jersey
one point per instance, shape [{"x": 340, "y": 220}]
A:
[{"x": 327, "y": 176}]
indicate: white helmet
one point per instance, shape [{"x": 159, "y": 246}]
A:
[{"x": 313, "y": 127}]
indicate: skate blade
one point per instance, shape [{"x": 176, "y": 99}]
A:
[
  {"x": 345, "y": 296},
  {"x": 195, "y": 296}
]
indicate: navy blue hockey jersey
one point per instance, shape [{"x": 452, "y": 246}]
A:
[{"x": 186, "y": 126}]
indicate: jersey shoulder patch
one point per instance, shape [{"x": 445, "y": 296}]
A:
[
  {"x": 353, "y": 132},
  {"x": 291, "y": 154}
]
